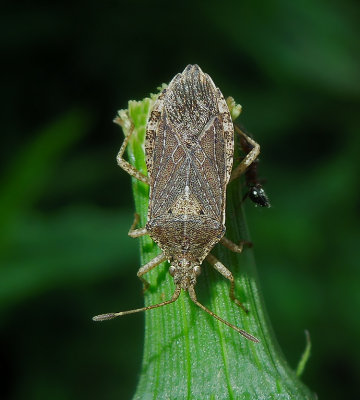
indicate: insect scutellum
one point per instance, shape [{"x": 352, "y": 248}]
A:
[{"x": 189, "y": 157}]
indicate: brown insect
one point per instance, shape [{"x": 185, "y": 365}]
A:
[{"x": 189, "y": 156}]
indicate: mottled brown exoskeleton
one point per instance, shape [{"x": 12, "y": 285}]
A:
[{"x": 189, "y": 156}]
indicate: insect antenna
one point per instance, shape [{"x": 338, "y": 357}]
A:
[
  {"x": 241, "y": 331},
  {"x": 104, "y": 317}
]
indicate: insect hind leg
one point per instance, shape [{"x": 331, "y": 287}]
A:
[{"x": 236, "y": 248}]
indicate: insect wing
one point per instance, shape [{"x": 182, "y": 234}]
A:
[{"x": 189, "y": 147}]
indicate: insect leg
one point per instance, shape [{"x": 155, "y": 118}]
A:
[
  {"x": 135, "y": 233},
  {"x": 236, "y": 248},
  {"x": 125, "y": 165},
  {"x": 220, "y": 267},
  {"x": 249, "y": 158},
  {"x": 148, "y": 267}
]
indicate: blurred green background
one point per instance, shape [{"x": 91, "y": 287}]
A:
[{"x": 65, "y": 207}]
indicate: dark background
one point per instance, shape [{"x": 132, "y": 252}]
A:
[{"x": 65, "y": 207}]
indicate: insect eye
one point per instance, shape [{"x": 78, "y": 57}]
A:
[
  {"x": 172, "y": 270},
  {"x": 197, "y": 270},
  {"x": 254, "y": 192}
]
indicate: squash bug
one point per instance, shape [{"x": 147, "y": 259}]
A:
[{"x": 189, "y": 150}]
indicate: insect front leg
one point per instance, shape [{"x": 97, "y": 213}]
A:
[
  {"x": 125, "y": 165},
  {"x": 135, "y": 233},
  {"x": 220, "y": 267},
  {"x": 148, "y": 267},
  {"x": 249, "y": 158},
  {"x": 236, "y": 248}
]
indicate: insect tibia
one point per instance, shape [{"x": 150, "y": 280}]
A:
[{"x": 247, "y": 335}]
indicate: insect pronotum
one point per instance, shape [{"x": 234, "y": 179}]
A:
[{"x": 189, "y": 157}]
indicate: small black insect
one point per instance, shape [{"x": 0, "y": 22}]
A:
[{"x": 256, "y": 192}]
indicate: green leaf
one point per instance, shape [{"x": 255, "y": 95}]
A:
[
  {"x": 305, "y": 355},
  {"x": 75, "y": 235},
  {"x": 187, "y": 353}
]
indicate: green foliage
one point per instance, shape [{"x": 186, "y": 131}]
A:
[
  {"x": 32, "y": 167},
  {"x": 305, "y": 356}
]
